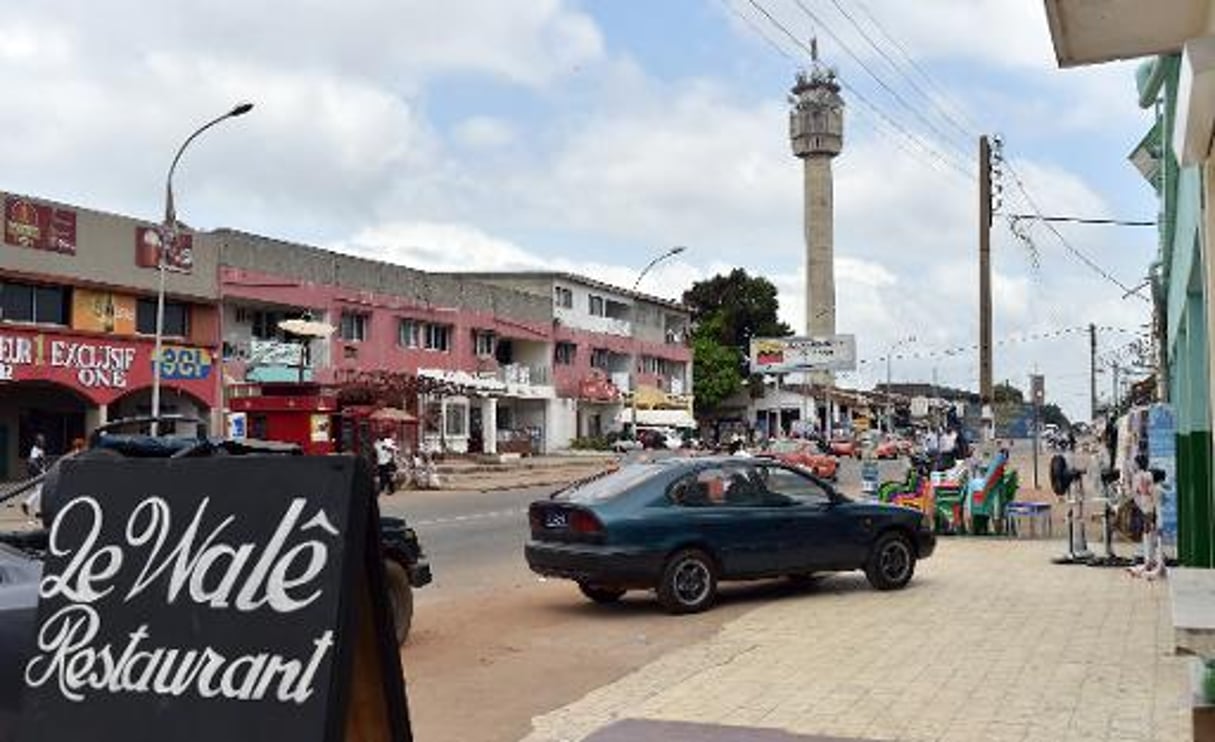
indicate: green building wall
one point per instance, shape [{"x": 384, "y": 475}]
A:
[{"x": 1182, "y": 257}]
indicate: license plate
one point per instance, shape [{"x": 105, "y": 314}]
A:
[{"x": 556, "y": 520}]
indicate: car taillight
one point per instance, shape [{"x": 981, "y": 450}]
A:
[{"x": 582, "y": 521}]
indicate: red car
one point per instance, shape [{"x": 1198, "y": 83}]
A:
[
  {"x": 802, "y": 453},
  {"x": 844, "y": 447},
  {"x": 887, "y": 449}
]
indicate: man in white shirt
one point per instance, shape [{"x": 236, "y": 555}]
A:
[{"x": 386, "y": 462}]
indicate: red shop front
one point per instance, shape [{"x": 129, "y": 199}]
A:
[{"x": 60, "y": 384}]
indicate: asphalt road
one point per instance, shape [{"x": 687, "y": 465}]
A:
[{"x": 493, "y": 644}]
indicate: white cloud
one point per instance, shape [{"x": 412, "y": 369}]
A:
[{"x": 484, "y": 132}]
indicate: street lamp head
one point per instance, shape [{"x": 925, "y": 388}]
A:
[
  {"x": 241, "y": 109},
  {"x": 677, "y": 249}
]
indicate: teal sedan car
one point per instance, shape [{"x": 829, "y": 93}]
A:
[{"x": 680, "y": 526}]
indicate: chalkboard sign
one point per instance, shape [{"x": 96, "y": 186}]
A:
[{"x": 217, "y": 599}]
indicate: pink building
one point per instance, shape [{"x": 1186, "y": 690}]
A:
[{"x": 540, "y": 366}]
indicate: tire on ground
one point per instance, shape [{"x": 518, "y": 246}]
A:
[
  {"x": 891, "y": 562},
  {"x": 688, "y": 583},
  {"x": 400, "y": 598}
]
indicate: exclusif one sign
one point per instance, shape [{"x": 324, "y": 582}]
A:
[{"x": 202, "y": 599}]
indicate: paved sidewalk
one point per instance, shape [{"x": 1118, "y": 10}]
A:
[{"x": 990, "y": 642}]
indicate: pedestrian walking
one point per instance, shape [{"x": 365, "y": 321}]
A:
[
  {"x": 35, "y": 463},
  {"x": 386, "y": 463}
]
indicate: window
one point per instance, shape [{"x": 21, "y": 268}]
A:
[
  {"x": 596, "y": 306},
  {"x": 797, "y": 487},
  {"x": 354, "y": 326},
  {"x": 409, "y": 334},
  {"x": 437, "y": 337},
  {"x": 563, "y": 297},
  {"x": 735, "y": 485},
  {"x": 457, "y": 416},
  {"x": 412, "y": 333},
  {"x": 263, "y": 324},
  {"x": 23, "y": 302},
  {"x": 176, "y": 319},
  {"x": 601, "y": 358},
  {"x": 652, "y": 365},
  {"x": 484, "y": 342},
  {"x": 564, "y": 354}
]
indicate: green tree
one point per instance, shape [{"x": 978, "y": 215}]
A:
[
  {"x": 727, "y": 311},
  {"x": 715, "y": 369},
  {"x": 746, "y": 307},
  {"x": 1051, "y": 413}
]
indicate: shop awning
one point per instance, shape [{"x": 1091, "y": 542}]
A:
[{"x": 658, "y": 418}]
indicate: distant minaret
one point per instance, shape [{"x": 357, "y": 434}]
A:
[{"x": 816, "y": 128}]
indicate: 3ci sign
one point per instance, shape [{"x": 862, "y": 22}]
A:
[{"x": 209, "y": 597}]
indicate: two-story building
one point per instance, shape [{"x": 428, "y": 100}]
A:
[
  {"x": 78, "y": 295},
  {"x": 492, "y": 343},
  {"x": 622, "y": 355}
]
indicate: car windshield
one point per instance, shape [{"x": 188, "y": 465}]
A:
[{"x": 609, "y": 485}]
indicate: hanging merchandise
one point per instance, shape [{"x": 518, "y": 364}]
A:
[{"x": 1162, "y": 455}]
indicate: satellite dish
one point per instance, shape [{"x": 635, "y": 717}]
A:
[
  {"x": 307, "y": 328},
  {"x": 1062, "y": 475}
]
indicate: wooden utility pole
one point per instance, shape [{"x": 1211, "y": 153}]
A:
[
  {"x": 1092, "y": 370},
  {"x": 985, "y": 376}
]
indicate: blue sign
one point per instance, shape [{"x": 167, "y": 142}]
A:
[
  {"x": 180, "y": 363},
  {"x": 1162, "y": 454}
]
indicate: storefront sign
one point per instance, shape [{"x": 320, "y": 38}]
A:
[
  {"x": 211, "y": 599},
  {"x": 101, "y": 369},
  {"x": 103, "y": 311},
  {"x": 39, "y": 226},
  {"x": 784, "y": 355},
  {"x": 179, "y": 257},
  {"x": 185, "y": 363},
  {"x": 275, "y": 353}
]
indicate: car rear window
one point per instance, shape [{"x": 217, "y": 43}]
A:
[{"x": 609, "y": 485}]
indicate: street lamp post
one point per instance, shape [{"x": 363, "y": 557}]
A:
[
  {"x": 633, "y": 367},
  {"x": 168, "y": 240},
  {"x": 889, "y": 403}
]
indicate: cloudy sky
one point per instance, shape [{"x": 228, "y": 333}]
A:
[{"x": 591, "y": 136}]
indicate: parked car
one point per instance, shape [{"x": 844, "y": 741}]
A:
[
  {"x": 800, "y": 452},
  {"x": 681, "y": 525},
  {"x": 19, "y": 577},
  {"x": 840, "y": 446},
  {"x": 887, "y": 448}
]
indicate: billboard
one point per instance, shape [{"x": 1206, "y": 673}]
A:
[
  {"x": 39, "y": 226},
  {"x": 149, "y": 242},
  {"x": 783, "y": 355}
]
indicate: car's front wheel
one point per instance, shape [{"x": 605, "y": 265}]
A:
[
  {"x": 891, "y": 562},
  {"x": 400, "y": 598},
  {"x": 688, "y": 583},
  {"x": 601, "y": 594}
]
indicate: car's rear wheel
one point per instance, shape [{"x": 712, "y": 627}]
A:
[
  {"x": 891, "y": 562},
  {"x": 400, "y": 598},
  {"x": 689, "y": 582},
  {"x": 601, "y": 594}
]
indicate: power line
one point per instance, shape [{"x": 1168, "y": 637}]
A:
[
  {"x": 1067, "y": 245},
  {"x": 915, "y": 111},
  {"x": 1083, "y": 220},
  {"x": 928, "y": 98},
  {"x": 755, "y": 28},
  {"x": 928, "y": 79}
]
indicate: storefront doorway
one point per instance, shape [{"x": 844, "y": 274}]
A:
[{"x": 32, "y": 408}]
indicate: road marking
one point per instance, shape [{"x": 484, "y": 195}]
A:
[{"x": 470, "y": 517}]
